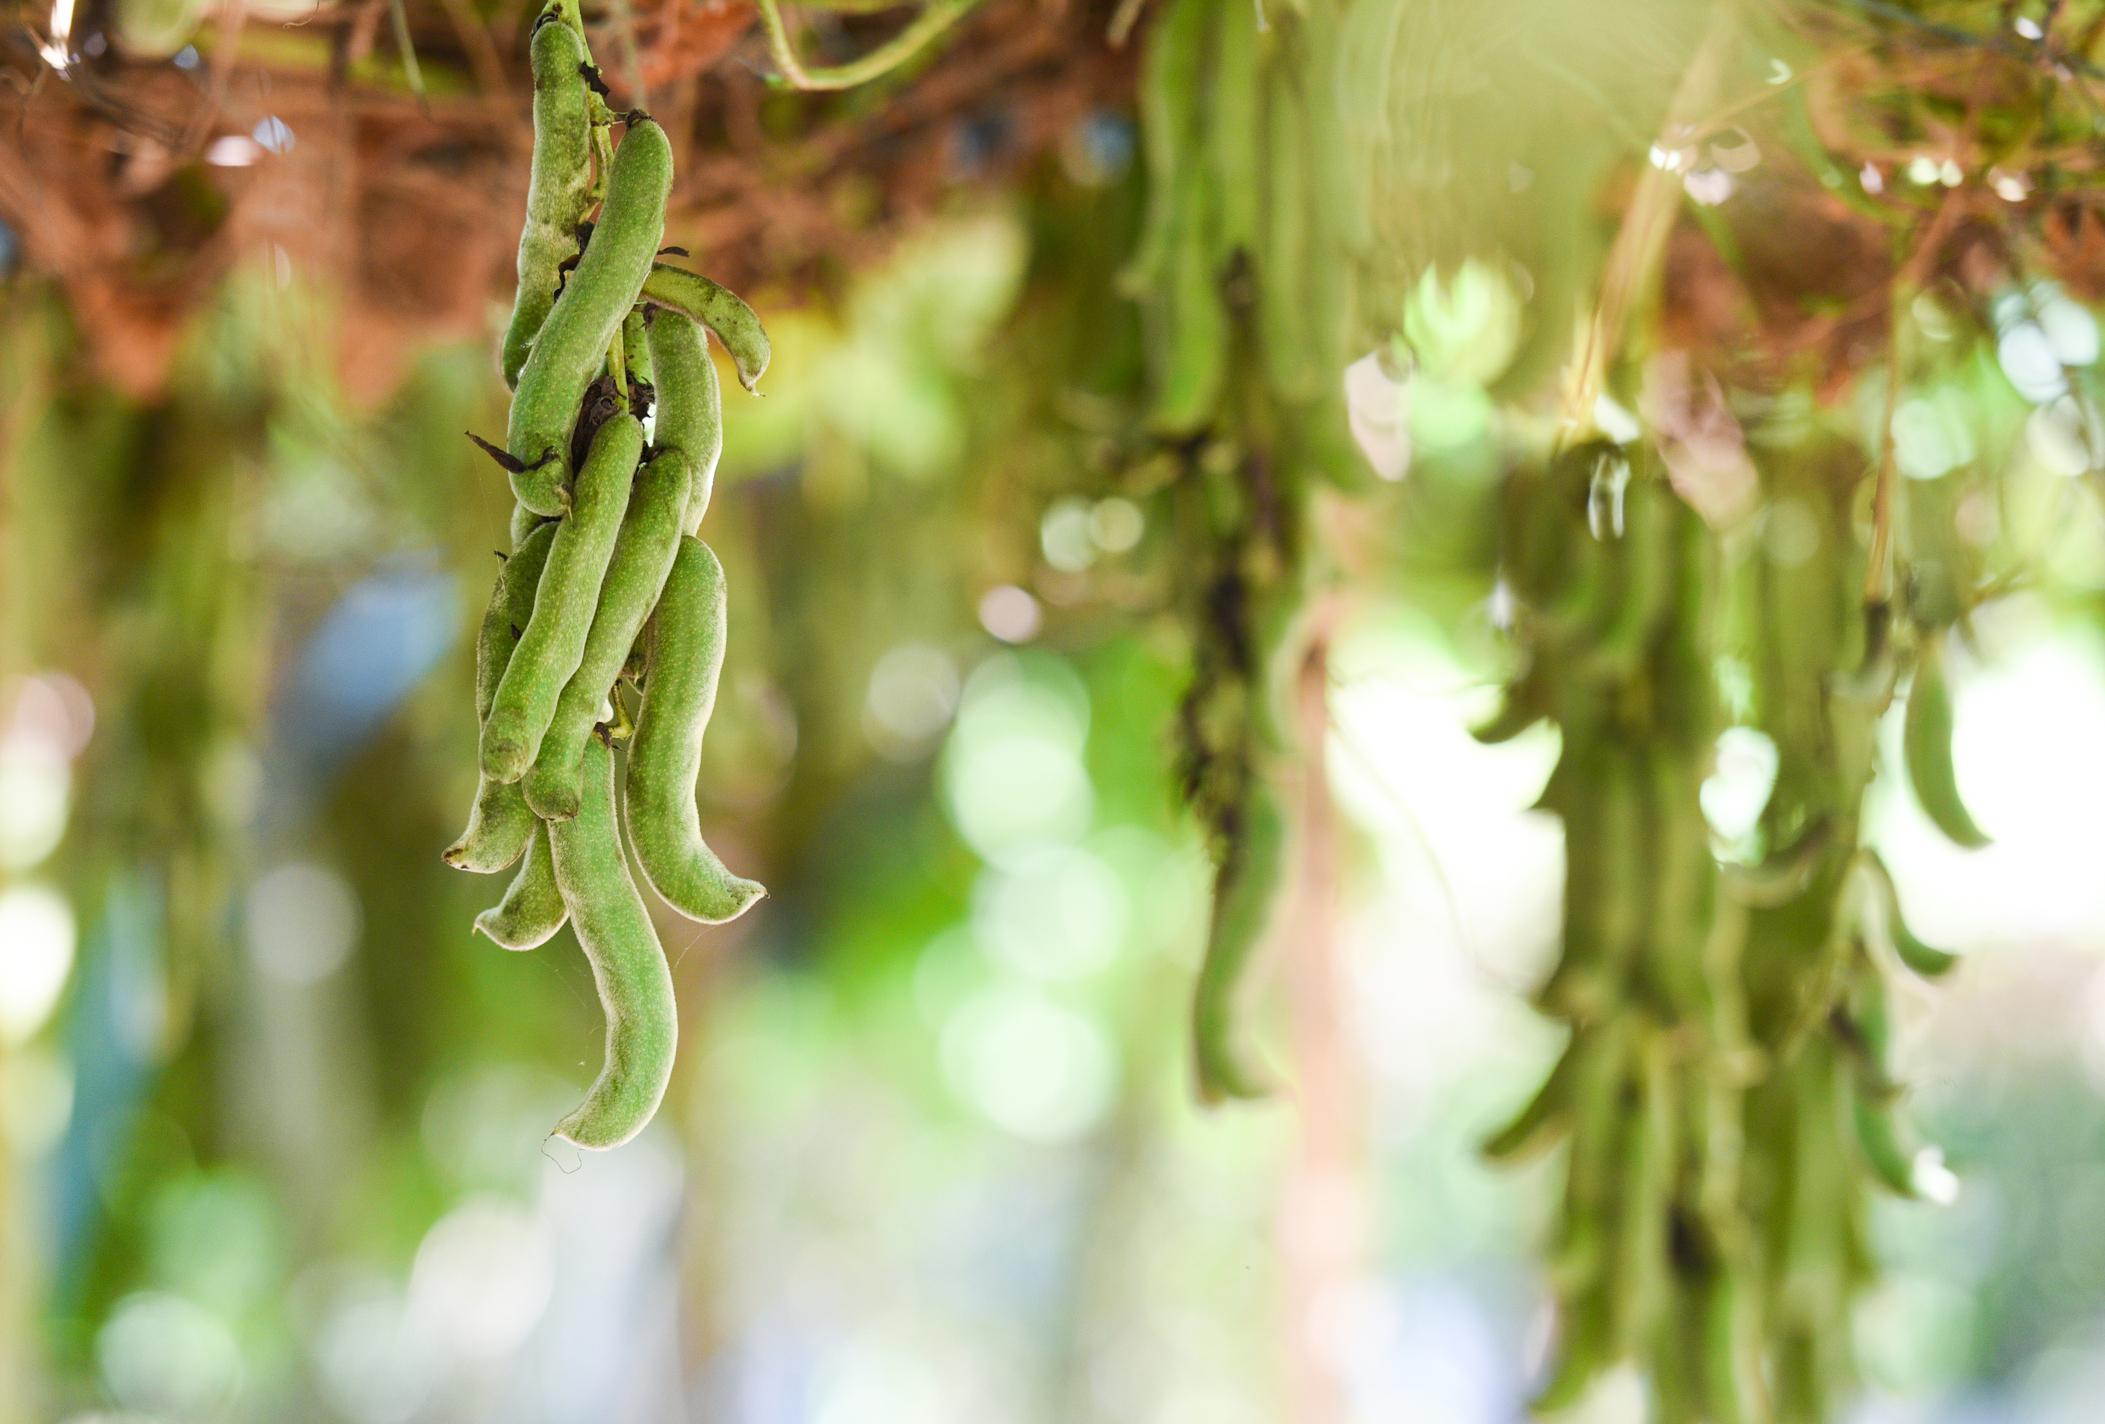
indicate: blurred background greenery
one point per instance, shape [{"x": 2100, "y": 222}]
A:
[{"x": 272, "y": 1124}]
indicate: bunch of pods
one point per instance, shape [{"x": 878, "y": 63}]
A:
[
  {"x": 1724, "y": 1092},
  {"x": 607, "y": 583},
  {"x": 1247, "y": 319}
]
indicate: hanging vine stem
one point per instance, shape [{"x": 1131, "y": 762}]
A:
[
  {"x": 1878, "y": 567},
  {"x": 1122, "y": 21},
  {"x": 933, "y": 20},
  {"x": 398, "y": 20},
  {"x": 1641, "y": 240}
]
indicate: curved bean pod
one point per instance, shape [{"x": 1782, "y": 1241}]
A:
[
  {"x": 685, "y": 643},
  {"x": 628, "y": 966},
  {"x": 532, "y": 909},
  {"x": 1590, "y": 1066},
  {"x": 1730, "y": 1352},
  {"x": 573, "y": 343},
  {"x": 1245, "y": 890},
  {"x": 690, "y": 405},
  {"x": 558, "y": 193},
  {"x": 524, "y": 523},
  {"x": 554, "y": 641},
  {"x": 1172, "y": 75},
  {"x": 717, "y": 307},
  {"x": 1926, "y": 748},
  {"x": 1878, "y": 1136},
  {"x": 1234, "y": 130},
  {"x": 1520, "y": 706},
  {"x": 643, "y": 555},
  {"x": 1289, "y": 243},
  {"x": 1189, "y": 332},
  {"x": 1909, "y": 948},
  {"x": 499, "y": 823}
]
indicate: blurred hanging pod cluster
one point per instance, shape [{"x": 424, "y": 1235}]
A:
[
  {"x": 1725, "y": 1101},
  {"x": 1252, "y": 197},
  {"x": 1725, "y": 1094}
]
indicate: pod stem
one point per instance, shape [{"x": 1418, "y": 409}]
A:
[
  {"x": 934, "y": 19},
  {"x": 398, "y": 21}
]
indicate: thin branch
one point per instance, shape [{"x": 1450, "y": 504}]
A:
[
  {"x": 934, "y": 19},
  {"x": 1640, "y": 242},
  {"x": 398, "y": 19},
  {"x": 1878, "y": 567}
]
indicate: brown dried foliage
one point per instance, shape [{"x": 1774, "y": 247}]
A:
[{"x": 409, "y": 208}]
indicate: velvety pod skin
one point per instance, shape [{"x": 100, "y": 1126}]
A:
[
  {"x": 628, "y": 966},
  {"x": 690, "y": 414},
  {"x": 643, "y": 556},
  {"x": 720, "y": 309},
  {"x": 572, "y": 346},
  {"x": 559, "y": 189},
  {"x": 684, "y": 657},
  {"x": 532, "y": 909},
  {"x": 553, "y": 644},
  {"x": 499, "y": 822},
  {"x": 525, "y": 522}
]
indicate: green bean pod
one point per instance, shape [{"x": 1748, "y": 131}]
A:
[
  {"x": 499, "y": 823},
  {"x": 1520, "y": 706},
  {"x": 532, "y": 909},
  {"x": 1681, "y": 883},
  {"x": 1645, "y": 567},
  {"x": 1730, "y": 1350},
  {"x": 1606, "y": 865},
  {"x": 558, "y": 194},
  {"x": 574, "y": 341},
  {"x": 1172, "y": 78},
  {"x": 643, "y": 555},
  {"x": 1926, "y": 748},
  {"x": 636, "y": 353},
  {"x": 720, "y": 309},
  {"x": 1642, "y": 1274},
  {"x": 553, "y": 644},
  {"x": 1909, "y": 948},
  {"x": 1289, "y": 249},
  {"x": 1235, "y": 128},
  {"x": 1189, "y": 333},
  {"x": 684, "y": 659},
  {"x": 1879, "y": 1138},
  {"x": 524, "y": 523},
  {"x": 690, "y": 406},
  {"x": 1812, "y": 1256},
  {"x": 1584, "y": 1350},
  {"x": 1245, "y": 892},
  {"x": 628, "y": 966},
  {"x": 1590, "y": 1065}
]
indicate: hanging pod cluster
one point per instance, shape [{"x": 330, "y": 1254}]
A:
[
  {"x": 1817, "y": 928},
  {"x": 1231, "y": 733},
  {"x": 1724, "y": 1093},
  {"x": 1246, "y": 316},
  {"x": 607, "y": 595}
]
